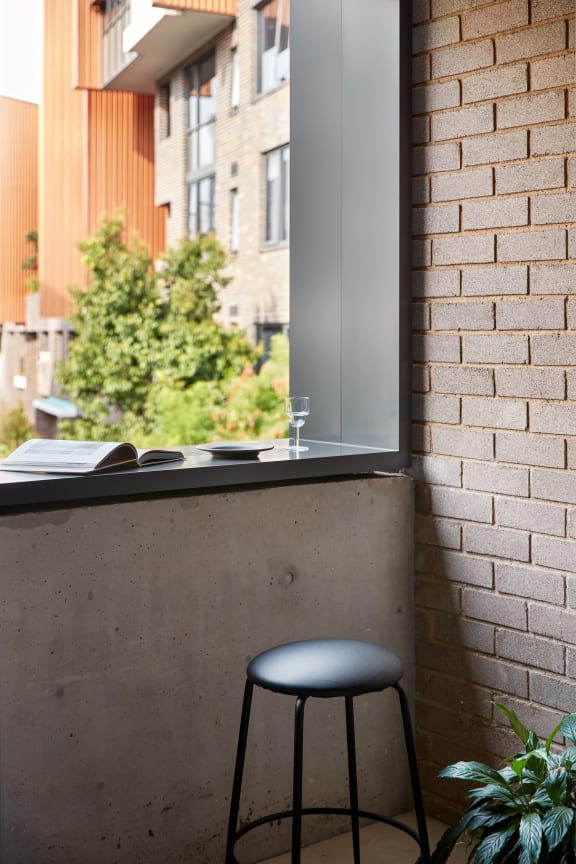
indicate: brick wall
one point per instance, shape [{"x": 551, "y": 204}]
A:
[{"x": 494, "y": 404}]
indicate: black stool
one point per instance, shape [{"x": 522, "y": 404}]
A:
[{"x": 325, "y": 668}]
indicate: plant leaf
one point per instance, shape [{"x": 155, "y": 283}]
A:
[
  {"x": 476, "y": 771},
  {"x": 556, "y": 825},
  {"x": 552, "y": 735},
  {"x": 488, "y": 850},
  {"x": 556, "y": 784},
  {"x": 532, "y": 742},
  {"x": 568, "y": 727},
  {"x": 497, "y": 793},
  {"x": 486, "y": 819},
  {"x": 521, "y": 731},
  {"x": 447, "y": 841},
  {"x": 531, "y": 835}
]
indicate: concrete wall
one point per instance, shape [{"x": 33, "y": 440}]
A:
[
  {"x": 124, "y": 634},
  {"x": 494, "y": 349}
]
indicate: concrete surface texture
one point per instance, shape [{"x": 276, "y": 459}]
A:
[{"x": 124, "y": 634}]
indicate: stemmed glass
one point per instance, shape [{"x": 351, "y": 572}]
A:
[{"x": 297, "y": 409}]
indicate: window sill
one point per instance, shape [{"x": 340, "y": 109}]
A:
[{"x": 198, "y": 472}]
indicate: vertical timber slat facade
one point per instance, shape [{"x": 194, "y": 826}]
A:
[
  {"x": 96, "y": 154},
  {"x": 18, "y": 201}
]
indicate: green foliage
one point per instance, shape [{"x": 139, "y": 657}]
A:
[
  {"x": 247, "y": 406},
  {"x": 31, "y": 262},
  {"x": 149, "y": 362},
  {"x": 524, "y": 812},
  {"x": 110, "y": 363},
  {"x": 14, "y": 429},
  {"x": 254, "y": 402}
]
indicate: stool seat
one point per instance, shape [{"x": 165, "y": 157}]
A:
[{"x": 326, "y": 668}]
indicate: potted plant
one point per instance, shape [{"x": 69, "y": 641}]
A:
[{"x": 523, "y": 813}]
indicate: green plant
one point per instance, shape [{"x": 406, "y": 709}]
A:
[
  {"x": 14, "y": 429},
  {"x": 524, "y": 812},
  {"x": 31, "y": 262}
]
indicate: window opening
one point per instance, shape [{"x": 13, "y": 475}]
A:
[
  {"x": 201, "y": 152},
  {"x": 273, "y": 44},
  {"x": 277, "y": 196}
]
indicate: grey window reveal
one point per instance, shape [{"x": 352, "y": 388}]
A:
[{"x": 350, "y": 229}]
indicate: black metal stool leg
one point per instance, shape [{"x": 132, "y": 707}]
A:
[
  {"x": 414, "y": 778},
  {"x": 297, "y": 779},
  {"x": 238, "y": 772},
  {"x": 352, "y": 778}
]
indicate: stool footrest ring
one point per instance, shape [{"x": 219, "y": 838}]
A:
[{"x": 322, "y": 811}]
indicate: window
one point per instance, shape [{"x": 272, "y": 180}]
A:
[
  {"x": 164, "y": 111},
  {"x": 234, "y": 222},
  {"x": 201, "y": 206},
  {"x": 235, "y": 80},
  {"x": 201, "y": 151},
  {"x": 273, "y": 44},
  {"x": 278, "y": 196}
]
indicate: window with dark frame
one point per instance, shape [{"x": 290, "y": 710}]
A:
[
  {"x": 201, "y": 149},
  {"x": 164, "y": 111},
  {"x": 234, "y": 79},
  {"x": 277, "y": 211},
  {"x": 234, "y": 221},
  {"x": 273, "y": 44}
]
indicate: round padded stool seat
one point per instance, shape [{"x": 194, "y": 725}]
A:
[{"x": 326, "y": 668}]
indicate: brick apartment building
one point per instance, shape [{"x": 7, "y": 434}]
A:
[
  {"x": 178, "y": 114},
  {"x": 220, "y": 75}
]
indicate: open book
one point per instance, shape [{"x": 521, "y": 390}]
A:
[{"x": 81, "y": 457}]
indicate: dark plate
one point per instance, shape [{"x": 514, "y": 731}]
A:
[{"x": 232, "y": 450}]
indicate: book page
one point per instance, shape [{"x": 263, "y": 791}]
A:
[{"x": 46, "y": 454}]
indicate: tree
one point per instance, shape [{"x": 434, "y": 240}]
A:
[
  {"x": 14, "y": 429},
  {"x": 143, "y": 337},
  {"x": 110, "y": 364}
]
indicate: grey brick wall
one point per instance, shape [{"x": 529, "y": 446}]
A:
[{"x": 494, "y": 374}]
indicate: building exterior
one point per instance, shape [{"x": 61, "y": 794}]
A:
[
  {"x": 83, "y": 154},
  {"x": 175, "y": 112},
  {"x": 220, "y": 75}
]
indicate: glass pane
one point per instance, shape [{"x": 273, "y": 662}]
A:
[
  {"x": 285, "y": 214},
  {"x": 235, "y": 227},
  {"x": 207, "y": 102},
  {"x": 272, "y": 196},
  {"x": 192, "y": 151},
  {"x": 268, "y": 16},
  {"x": 235, "y": 82},
  {"x": 206, "y": 204},
  {"x": 284, "y": 30},
  {"x": 193, "y": 209},
  {"x": 206, "y": 155},
  {"x": 192, "y": 75}
]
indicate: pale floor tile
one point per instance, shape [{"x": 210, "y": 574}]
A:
[{"x": 380, "y": 844}]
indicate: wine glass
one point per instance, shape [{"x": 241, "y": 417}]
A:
[{"x": 297, "y": 409}]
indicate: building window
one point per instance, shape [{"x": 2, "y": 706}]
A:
[
  {"x": 273, "y": 44},
  {"x": 201, "y": 206},
  {"x": 234, "y": 222},
  {"x": 235, "y": 80},
  {"x": 164, "y": 111},
  {"x": 201, "y": 114},
  {"x": 264, "y": 333},
  {"x": 201, "y": 152},
  {"x": 277, "y": 223}
]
